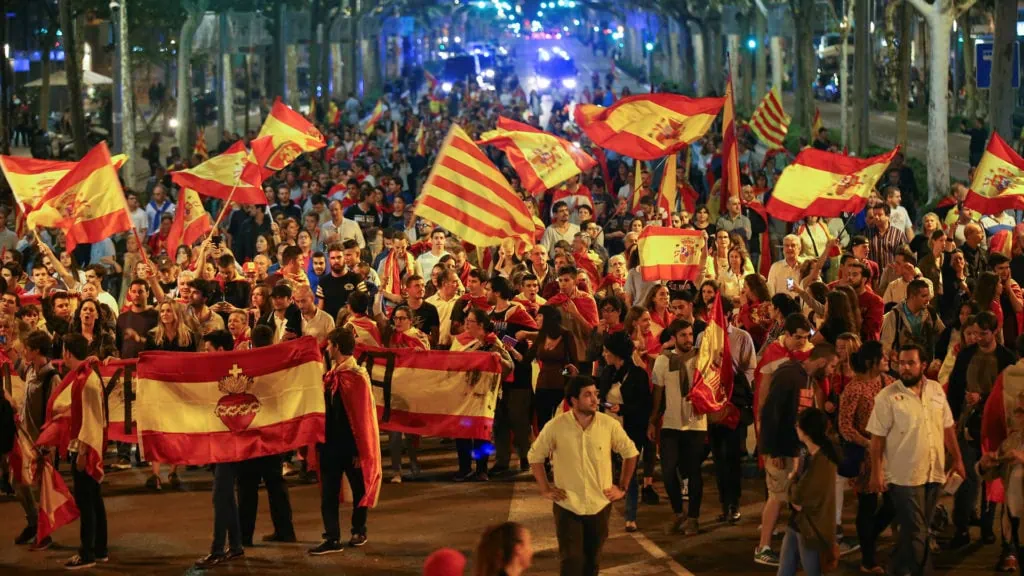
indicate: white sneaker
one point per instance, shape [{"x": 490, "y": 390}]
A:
[{"x": 396, "y": 479}]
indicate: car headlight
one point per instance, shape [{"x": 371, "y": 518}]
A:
[
  {"x": 543, "y": 82},
  {"x": 569, "y": 83},
  {"x": 446, "y": 86},
  {"x": 489, "y": 73},
  {"x": 172, "y": 123}
]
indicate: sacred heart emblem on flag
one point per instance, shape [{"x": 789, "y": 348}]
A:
[
  {"x": 282, "y": 156},
  {"x": 237, "y": 408}
]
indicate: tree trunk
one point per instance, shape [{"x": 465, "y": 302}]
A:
[
  {"x": 127, "y": 99},
  {"x": 970, "y": 83},
  {"x": 184, "y": 112},
  {"x": 715, "y": 55},
  {"x": 939, "y": 25},
  {"x": 44, "y": 67},
  {"x": 803, "y": 11},
  {"x": 861, "y": 77},
  {"x": 760, "y": 54},
  {"x": 316, "y": 29},
  {"x": 844, "y": 76},
  {"x": 903, "y": 95},
  {"x": 733, "y": 58},
  {"x": 227, "y": 77},
  {"x": 1001, "y": 94},
  {"x": 775, "y": 46},
  {"x": 73, "y": 67},
  {"x": 700, "y": 64},
  {"x": 274, "y": 65}
]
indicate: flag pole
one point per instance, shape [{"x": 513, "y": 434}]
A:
[{"x": 223, "y": 211}]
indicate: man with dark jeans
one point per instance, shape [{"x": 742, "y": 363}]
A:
[
  {"x": 225, "y": 507},
  {"x": 351, "y": 443},
  {"x": 138, "y": 319},
  {"x": 584, "y": 488},
  {"x": 911, "y": 427},
  {"x": 683, "y": 432}
]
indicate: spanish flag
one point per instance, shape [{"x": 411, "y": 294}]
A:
[
  {"x": 820, "y": 183},
  {"x": 421, "y": 141},
  {"x": 200, "y": 147},
  {"x": 668, "y": 189},
  {"x": 541, "y": 160},
  {"x": 191, "y": 221},
  {"x": 670, "y": 253},
  {"x": 75, "y": 420},
  {"x": 770, "y": 123},
  {"x": 229, "y": 406},
  {"x": 730, "y": 151},
  {"x": 998, "y": 180},
  {"x": 233, "y": 174},
  {"x": 816, "y": 124},
  {"x": 375, "y": 115},
  {"x": 648, "y": 126},
  {"x": 713, "y": 377},
  {"x": 467, "y": 195},
  {"x": 87, "y": 203},
  {"x": 432, "y": 393},
  {"x": 113, "y": 374},
  {"x": 291, "y": 135},
  {"x": 30, "y": 179}
]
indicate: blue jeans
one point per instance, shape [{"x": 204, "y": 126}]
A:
[{"x": 795, "y": 553}]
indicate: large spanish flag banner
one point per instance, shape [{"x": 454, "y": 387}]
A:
[
  {"x": 291, "y": 135},
  {"x": 820, "y": 183},
  {"x": 229, "y": 406},
  {"x": 998, "y": 180},
  {"x": 87, "y": 203},
  {"x": 466, "y": 194},
  {"x": 233, "y": 174},
  {"x": 648, "y": 126},
  {"x": 30, "y": 178},
  {"x": 713, "y": 376},
  {"x": 431, "y": 393},
  {"x": 191, "y": 221},
  {"x": 541, "y": 160},
  {"x": 670, "y": 253}
]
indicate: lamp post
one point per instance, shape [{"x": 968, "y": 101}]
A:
[
  {"x": 649, "y": 53},
  {"x": 117, "y": 96}
]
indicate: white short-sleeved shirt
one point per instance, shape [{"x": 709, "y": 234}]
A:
[
  {"x": 913, "y": 428},
  {"x": 679, "y": 413}
]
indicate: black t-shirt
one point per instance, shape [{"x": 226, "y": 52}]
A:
[
  {"x": 426, "y": 319},
  {"x": 141, "y": 323},
  {"x": 237, "y": 292},
  {"x": 335, "y": 290},
  {"x": 365, "y": 218}
]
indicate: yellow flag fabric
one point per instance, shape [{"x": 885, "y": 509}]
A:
[
  {"x": 770, "y": 122},
  {"x": 30, "y": 179},
  {"x": 670, "y": 253},
  {"x": 998, "y": 183},
  {"x": 541, "y": 160}
]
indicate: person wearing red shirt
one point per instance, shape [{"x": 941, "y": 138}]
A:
[
  {"x": 871, "y": 306},
  {"x": 158, "y": 242}
]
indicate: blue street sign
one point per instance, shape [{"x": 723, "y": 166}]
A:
[{"x": 983, "y": 64}]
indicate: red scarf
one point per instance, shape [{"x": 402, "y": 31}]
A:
[
  {"x": 584, "y": 303},
  {"x": 584, "y": 263},
  {"x": 464, "y": 272},
  {"x": 517, "y": 314},
  {"x": 411, "y": 338},
  {"x": 611, "y": 280},
  {"x": 391, "y": 279}
]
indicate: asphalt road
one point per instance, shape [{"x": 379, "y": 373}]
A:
[{"x": 163, "y": 533}]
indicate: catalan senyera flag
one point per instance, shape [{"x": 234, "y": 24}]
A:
[
  {"x": 191, "y": 221},
  {"x": 713, "y": 376},
  {"x": 770, "y": 123},
  {"x": 233, "y": 174},
  {"x": 375, "y": 115},
  {"x": 648, "y": 126},
  {"x": 824, "y": 184},
  {"x": 87, "y": 203},
  {"x": 467, "y": 195},
  {"x": 730, "y": 151},
  {"x": 541, "y": 160},
  {"x": 200, "y": 147},
  {"x": 670, "y": 253},
  {"x": 998, "y": 180},
  {"x": 446, "y": 394},
  {"x": 30, "y": 178},
  {"x": 291, "y": 135},
  {"x": 816, "y": 124},
  {"x": 229, "y": 406}
]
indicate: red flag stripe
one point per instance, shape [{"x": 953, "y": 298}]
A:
[
  {"x": 166, "y": 366},
  {"x": 461, "y": 215}
]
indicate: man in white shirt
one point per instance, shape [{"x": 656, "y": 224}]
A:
[
  {"x": 898, "y": 217},
  {"x": 315, "y": 322},
  {"x": 339, "y": 228},
  {"x": 158, "y": 205},
  {"x": 784, "y": 275},
  {"x": 906, "y": 266},
  {"x": 139, "y": 217},
  {"x": 580, "y": 444},
  {"x": 94, "y": 275},
  {"x": 427, "y": 260},
  {"x": 444, "y": 300},
  {"x": 911, "y": 427},
  {"x": 561, "y": 228}
]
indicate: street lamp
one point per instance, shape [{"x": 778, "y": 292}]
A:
[
  {"x": 116, "y": 116},
  {"x": 649, "y": 47}
]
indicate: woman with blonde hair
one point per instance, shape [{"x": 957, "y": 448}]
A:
[{"x": 505, "y": 549}]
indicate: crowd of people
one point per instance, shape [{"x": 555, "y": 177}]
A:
[{"x": 862, "y": 355}]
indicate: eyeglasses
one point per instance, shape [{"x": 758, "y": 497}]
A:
[{"x": 397, "y": 318}]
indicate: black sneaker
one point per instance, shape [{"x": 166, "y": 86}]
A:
[
  {"x": 734, "y": 515},
  {"x": 76, "y": 562},
  {"x": 357, "y": 540},
  {"x": 326, "y": 547},
  {"x": 524, "y": 465},
  {"x": 482, "y": 477},
  {"x": 649, "y": 496},
  {"x": 26, "y": 537},
  {"x": 234, "y": 555},
  {"x": 464, "y": 476},
  {"x": 275, "y": 537},
  {"x": 499, "y": 471},
  {"x": 104, "y": 558},
  {"x": 210, "y": 560}
]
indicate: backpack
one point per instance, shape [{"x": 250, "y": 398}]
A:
[{"x": 8, "y": 429}]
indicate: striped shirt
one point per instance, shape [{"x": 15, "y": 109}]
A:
[{"x": 884, "y": 245}]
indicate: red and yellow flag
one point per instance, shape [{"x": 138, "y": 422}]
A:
[
  {"x": 668, "y": 189},
  {"x": 56, "y": 504},
  {"x": 233, "y": 174},
  {"x": 648, "y": 126},
  {"x": 816, "y": 124},
  {"x": 333, "y": 114},
  {"x": 670, "y": 253},
  {"x": 541, "y": 160},
  {"x": 87, "y": 203},
  {"x": 824, "y": 184},
  {"x": 770, "y": 123},
  {"x": 467, "y": 195},
  {"x": 998, "y": 180},
  {"x": 713, "y": 377},
  {"x": 730, "y": 151},
  {"x": 30, "y": 179},
  {"x": 229, "y": 406},
  {"x": 200, "y": 147},
  {"x": 291, "y": 135},
  {"x": 431, "y": 81},
  {"x": 421, "y": 141},
  {"x": 375, "y": 115},
  {"x": 191, "y": 221},
  {"x": 446, "y": 394}
]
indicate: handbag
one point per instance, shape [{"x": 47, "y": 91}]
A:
[{"x": 853, "y": 459}]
